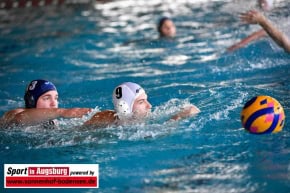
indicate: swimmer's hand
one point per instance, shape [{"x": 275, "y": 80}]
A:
[
  {"x": 186, "y": 112},
  {"x": 74, "y": 112},
  {"x": 252, "y": 17}
]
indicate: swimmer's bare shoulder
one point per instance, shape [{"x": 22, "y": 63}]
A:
[
  {"x": 9, "y": 116},
  {"x": 102, "y": 119}
]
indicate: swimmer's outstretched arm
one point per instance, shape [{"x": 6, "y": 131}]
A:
[
  {"x": 186, "y": 112},
  {"x": 38, "y": 115},
  {"x": 254, "y": 36},
  {"x": 255, "y": 17}
]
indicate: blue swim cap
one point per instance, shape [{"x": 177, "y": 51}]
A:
[
  {"x": 34, "y": 90},
  {"x": 124, "y": 97}
]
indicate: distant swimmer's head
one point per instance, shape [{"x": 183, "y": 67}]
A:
[
  {"x": 265, "y": 5},
  {"x": 41, "y": 94},
  {"x": 166, "y": 27},
  {"x": 130, "y": 100}
]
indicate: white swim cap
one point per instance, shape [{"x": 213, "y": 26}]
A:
[{"x": 124, "y": 97}]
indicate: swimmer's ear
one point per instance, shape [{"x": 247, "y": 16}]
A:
[{"x": 29, "y": 100}]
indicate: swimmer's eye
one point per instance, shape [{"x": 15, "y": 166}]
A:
[
  {"x": 141, "y": 101},
  {"x": 49, "y": 98},
  {"x": 45, "y": 98}
]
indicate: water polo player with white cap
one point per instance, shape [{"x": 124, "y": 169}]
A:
[
  {"x": 131, "y": 104},
  {"x": 130, "y": 100},
  {"x": 41, "y": 107}
]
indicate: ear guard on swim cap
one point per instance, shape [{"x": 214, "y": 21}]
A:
[
  {"x": 34, "y": 90},
  {"x": 124, "y": 97}
]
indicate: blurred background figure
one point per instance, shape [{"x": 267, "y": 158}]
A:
[
  {"x": 264, "y": 5},
  {"x": 166, "y": 27},
  {"x": 255, "y": 17}
]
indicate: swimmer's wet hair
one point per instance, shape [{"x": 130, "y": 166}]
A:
[{"x": 161, "y": 22}]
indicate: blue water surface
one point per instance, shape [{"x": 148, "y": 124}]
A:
[{"x": 87, "y": 50}]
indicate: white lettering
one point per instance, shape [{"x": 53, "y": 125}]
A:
[{"x": 51, "y": 171}]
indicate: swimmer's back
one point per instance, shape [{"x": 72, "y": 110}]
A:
[{"x": 103, "y": 119}]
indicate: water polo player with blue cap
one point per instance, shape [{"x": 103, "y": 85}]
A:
[
  {"x": 36, "y": 89},
  {"x": 131, "y": 105},
  {"x": 41, "y": 107}
]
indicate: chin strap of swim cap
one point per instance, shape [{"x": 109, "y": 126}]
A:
[
  {"x": 34, "y": 90},
  {"x": 124, "y": 97}
]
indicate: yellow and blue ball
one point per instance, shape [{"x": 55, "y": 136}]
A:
[{"x": 263, "y": 114}]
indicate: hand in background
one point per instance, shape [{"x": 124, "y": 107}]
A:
[{"x": 252, "y": 17}]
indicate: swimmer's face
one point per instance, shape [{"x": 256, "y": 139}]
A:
[
  {"x": 264, "y": 5},
  {"x": 141, "y": 106},
  {"x": 48, "y": 100},
  {"x": 168, "y": 29}
]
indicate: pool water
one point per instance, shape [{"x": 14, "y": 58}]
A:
[{"x": 87, "y": 50}]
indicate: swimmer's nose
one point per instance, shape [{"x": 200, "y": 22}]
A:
[
  {"x": 149, "y": 106},
  {"x": 54, "y": 103}
]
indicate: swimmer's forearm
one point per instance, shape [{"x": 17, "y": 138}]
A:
[
  {"x": 73, "y": 112},
  {"x": 254, "y": 36},
  {"x": 280, "y": 38},
  {"x": 36, "y": 116}
]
